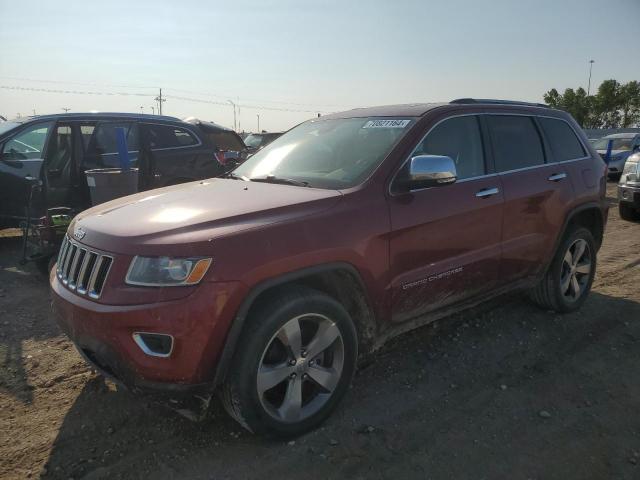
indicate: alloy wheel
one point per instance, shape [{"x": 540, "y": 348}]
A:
[
  {"x": 576, "y": 270},
  {"x": 300, "y": 368}
]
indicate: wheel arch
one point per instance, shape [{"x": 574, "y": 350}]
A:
[
  {"x": 339, "y": 280},
  {"x": 589, "y": 215}
]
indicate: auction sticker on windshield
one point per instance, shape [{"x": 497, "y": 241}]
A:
[{"x": 386, "y": 124}]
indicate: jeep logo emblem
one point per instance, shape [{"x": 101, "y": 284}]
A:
[{"x": 79, "y": 233}]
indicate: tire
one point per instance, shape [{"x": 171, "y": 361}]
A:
[
  {"x": 628, "y": 213},
  {"x": 265, "y": 403},
  {"x": 557, "y": 290}
]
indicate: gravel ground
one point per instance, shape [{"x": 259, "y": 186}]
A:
[{"x": 502, "y": 391}]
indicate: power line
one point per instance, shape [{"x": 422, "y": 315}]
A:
[
  {"x": 76, "y": 92},
  {"x": 255, "y": 107},
  {"x": 192, "y": 92},
  {"x": 86, "y": 84},
  {"x": 260, "y": 99},
  {"x": 163, "y": 98}
]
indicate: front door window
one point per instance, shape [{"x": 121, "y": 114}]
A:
[{"x": 28, "y": 144}]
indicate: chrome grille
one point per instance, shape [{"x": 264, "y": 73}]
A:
[{"x": 82, "y": 269}]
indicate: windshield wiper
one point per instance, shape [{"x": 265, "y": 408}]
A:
[
  {"x": 234, "y": 176},
  {"x": 281, "y": 180}
]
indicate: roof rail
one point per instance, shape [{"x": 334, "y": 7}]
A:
[{"x": 465, "y": 101}]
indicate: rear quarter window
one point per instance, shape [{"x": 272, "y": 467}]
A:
[{"x": 562, "y": 139}]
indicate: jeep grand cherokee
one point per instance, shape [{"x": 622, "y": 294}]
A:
[{"x": 349, "y": 229}]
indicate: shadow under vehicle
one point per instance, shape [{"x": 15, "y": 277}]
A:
[{"x": 44, "y": 160}]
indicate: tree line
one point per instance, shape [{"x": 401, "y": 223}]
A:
[{"x": 615, "y": 105}]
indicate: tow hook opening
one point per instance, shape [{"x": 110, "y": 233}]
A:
[{"x": 154, "y": 344}]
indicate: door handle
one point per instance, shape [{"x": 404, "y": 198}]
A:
[
  {"x": 556, "y": 177},
  {"x": 487, "y": 192}
]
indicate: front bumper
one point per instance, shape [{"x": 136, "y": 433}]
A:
[
  {"x": 104, "y": 335},
  {"x": 629, "y": 195}
]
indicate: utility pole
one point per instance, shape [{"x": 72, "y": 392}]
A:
[
  {"x": 239, "y": 129},
  {"x": 590, "y": 68},
  {"x": 258, "y": 115},
  {"x": 65, "y": 109},
  {"x": 34, "y": 112},
  {"x": 141, "y": 109},
  {"x": 159, "y": 99},
  {"x": 234, "y": 114},
  {"x": 153, "y": 110}
]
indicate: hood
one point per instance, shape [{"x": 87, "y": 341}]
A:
[{"x": 193, "y": 213}]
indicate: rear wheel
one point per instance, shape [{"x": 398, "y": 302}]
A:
[
  {"x": 296, "y": 360},
  {"x": 568, "y": 281},
  {"x": 628, "y": 213}
]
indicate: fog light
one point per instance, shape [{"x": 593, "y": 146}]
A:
[{"x": 154, "y": 344}]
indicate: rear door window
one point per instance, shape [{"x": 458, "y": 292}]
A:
[
  {"x": 516, "y": 142},
  {"x": 562, "y": 139},
  {"x": 104, "y": 142},
  {"x": 169, "y": 136}
]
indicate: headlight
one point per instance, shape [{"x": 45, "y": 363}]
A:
[
  {"x": 630, "y": 167},
  {"x": 167, "y": 271},
  {"x": 630, "y": 172}
]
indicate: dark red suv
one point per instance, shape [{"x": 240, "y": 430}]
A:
[{"x": 349, "y": 229}]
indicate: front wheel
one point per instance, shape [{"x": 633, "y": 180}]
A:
[
  {"x": 568, "y": 281},
  {"x": 294, "y": 363}
]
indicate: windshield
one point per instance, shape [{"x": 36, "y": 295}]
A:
[
  {"x": 618, "y": 143},
  {"x": 337, "y": 153},
  {"x": 253, "y": 140},
  {"x": 6, "y": 126}
]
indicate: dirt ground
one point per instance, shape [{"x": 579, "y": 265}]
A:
[{"x": 503, "y": 391}]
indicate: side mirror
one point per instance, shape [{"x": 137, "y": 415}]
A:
[
  {"x": 427, "y": 171},
  {"x": 9, "y": 159}
]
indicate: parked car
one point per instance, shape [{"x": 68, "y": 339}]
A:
[
  {"x": 629, "y": 189},
  {"x": 268, "y": 285},
  {"x": 256, "y": 141},
  {"x": 624, "y": 144},
  {"x": 230, "y": 148},
  {"x": 43, "y": 160}
]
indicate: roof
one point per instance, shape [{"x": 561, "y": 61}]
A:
[
  {"x": 406, "y": 110},
  {"x": 420, "y": 109},
  {"x": 79, "y": 116},
  {"x": 207, "y": 126}
]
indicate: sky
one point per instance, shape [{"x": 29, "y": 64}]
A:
[{"x": 288, "y": 60}]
